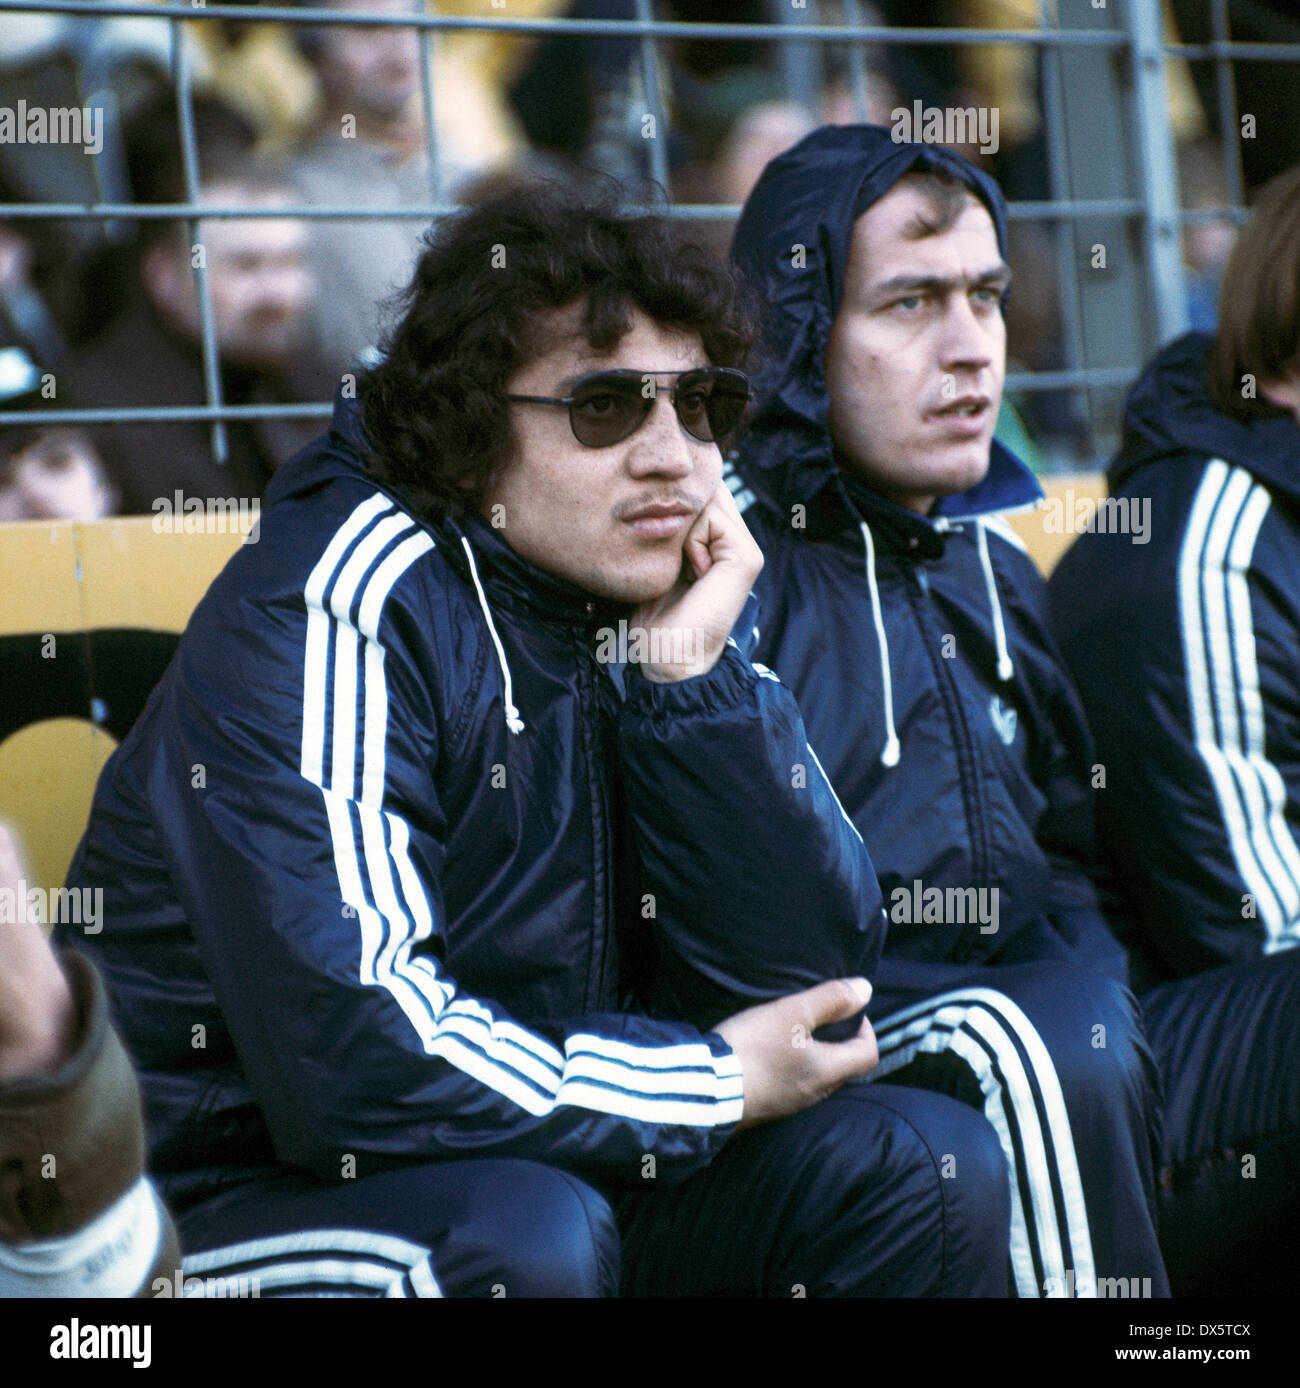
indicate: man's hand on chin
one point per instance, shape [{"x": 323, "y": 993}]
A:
[{"x": 688, "y": 627}]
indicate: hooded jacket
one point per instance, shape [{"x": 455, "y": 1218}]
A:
[
  {"x": 918, "y": 646},
  {"x": 1180, "y": 617},
  {"x": 394, "y": 872}
]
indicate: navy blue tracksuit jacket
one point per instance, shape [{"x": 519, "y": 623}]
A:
[
  {"x": 1192, "y": 692},
  {"x": 416, "y": 917},
  {"x": 385, "y": 771}
]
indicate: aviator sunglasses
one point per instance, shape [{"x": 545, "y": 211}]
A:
[{"x": 609, "y": 406}]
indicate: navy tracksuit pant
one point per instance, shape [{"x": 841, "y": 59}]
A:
[
  {"x": 873, "y": 1192},
  {"x": 1226, "y": 1044},
  {"x": 1054, "y": 1057}
]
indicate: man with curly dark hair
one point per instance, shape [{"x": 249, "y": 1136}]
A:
[{"x": 467, "y": 888}]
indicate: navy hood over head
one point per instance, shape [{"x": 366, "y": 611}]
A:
[
  {"x": 792, "y": 243},
  {"x": 1169, "y": 412}
]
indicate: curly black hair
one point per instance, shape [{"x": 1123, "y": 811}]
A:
[{"x": 434, "y": 411}]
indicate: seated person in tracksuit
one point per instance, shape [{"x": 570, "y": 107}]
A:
[
  {"x": 471, "y": 900},
  {"x": 912, "y": 629},
  {"x": 1179, "y": 616}
]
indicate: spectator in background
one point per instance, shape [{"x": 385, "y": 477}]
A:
[
  {"x": 1206, "y": 244},
  {"x": 370, "y": 148},
  {"x": 109, "y": 67},
  {"x": 77, "y": 1216},
  {"x": 45, "y": 472},
  {"x": 732, "y": 127},
  {"x": 149, "y": 353}
]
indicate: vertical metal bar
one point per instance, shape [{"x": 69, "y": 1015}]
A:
[
  {"x": 1064, "y": 233},
  {"x": 802, "y": 62},
  {"x": 1229, "y": 122},
  {"x": 190, "y": 168},
  {"x": 650, "y": 82},
  {"x": 857, "y": 62},
  {"x": 427, "y": 40},
  {"x": 1155, "y": 139}
]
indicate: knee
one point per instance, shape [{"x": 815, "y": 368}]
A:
[
  {"x": 545, "y": 1234},
  {"x": 974, "y": 1188},
  {"x": 1091, "y": 1028},
  {"x": 934, "y": 1181}
]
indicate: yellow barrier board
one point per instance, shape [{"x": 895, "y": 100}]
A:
[{"x": 60, "y": 580}]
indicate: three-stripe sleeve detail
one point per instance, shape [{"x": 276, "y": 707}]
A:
[
  {"x": 1223, "y": 693},
  {"x": 344, "y": 752}
]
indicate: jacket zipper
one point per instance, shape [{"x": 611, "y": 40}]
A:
[
  {"x": 918, "y": 592},
  {"x": 597, "y": 994}
]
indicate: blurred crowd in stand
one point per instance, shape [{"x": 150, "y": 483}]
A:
[{"x": 105, "y": 313}]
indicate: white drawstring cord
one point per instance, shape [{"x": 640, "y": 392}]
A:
[
  {"x": 1005, "y": 668},
  {"x": 513, "y": 721},
  {"x": 889, "y": 757}
]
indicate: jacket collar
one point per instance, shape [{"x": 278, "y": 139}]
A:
[
  {"x": 1007, "y": 486},
  {"x": 517, "y": 585}
]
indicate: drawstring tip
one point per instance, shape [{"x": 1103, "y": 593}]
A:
[
  {"x": 1005, "y": 668},
  {"x": 889, "y": 757},
  {"x": 513, "y": 721}
]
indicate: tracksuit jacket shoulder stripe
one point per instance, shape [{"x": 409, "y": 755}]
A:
[
  {"x": 1191, "y": 693},
  {"x": 351, "y": 908}
]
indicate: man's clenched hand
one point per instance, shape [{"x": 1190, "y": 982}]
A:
[{"x": 786, "y": 1070}]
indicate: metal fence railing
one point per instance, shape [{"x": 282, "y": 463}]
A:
[{"x": 1101, "y": 75}]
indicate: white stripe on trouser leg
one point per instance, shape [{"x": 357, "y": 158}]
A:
[
  {"x": 369, "y": 1262},
  {"x": 419, "y": 1282},
  {"x": 999, "y": 1022}
]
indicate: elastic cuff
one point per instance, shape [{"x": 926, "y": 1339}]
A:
[{"x": 724, "y": 686}]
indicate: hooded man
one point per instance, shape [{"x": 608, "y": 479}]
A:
[
  {"x": 914, "y": 631},
  {"x": 454, "y": 950},
  {"x": 1191, "y": 692},
  {"x": 912, "y": 627}
]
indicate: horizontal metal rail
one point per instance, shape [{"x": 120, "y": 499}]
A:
[
  {"x": 602, "y": 28},
  {"x": 173, "y": 414},
  {"x": 183, "y": 211},
  {"x": 1047, "y": 39}
]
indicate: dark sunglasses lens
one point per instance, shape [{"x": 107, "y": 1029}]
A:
[
  {"x": 607, "y": 409},
  {"x": 710, "y": 405}
]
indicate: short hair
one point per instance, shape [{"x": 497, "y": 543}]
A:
[
  {"x": 435, "y": 416},
  {"x": 1258, "y": 333}
]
